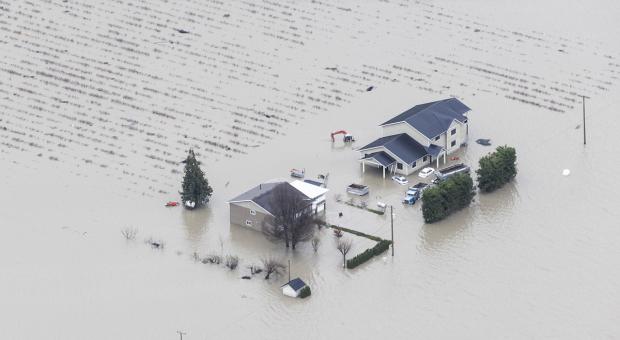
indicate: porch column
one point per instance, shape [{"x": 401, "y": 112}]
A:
[
  {"x": 363, "y": 167},
  {"x": 383, "y": 172},
  {"x": 437, "y": 162},
  {"x": 444, "y": 156}
]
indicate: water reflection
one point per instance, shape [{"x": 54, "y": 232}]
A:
[{"x": 195, "y": 222}]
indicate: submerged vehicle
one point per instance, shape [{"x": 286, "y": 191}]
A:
[
  {"x": 402, "y": 180},
  {"x": 452, "y": 170},
  {"x": 358, "y": 189},
  {"x": 298, "y": 173},
  {"x": 426, "y": 172},
  {"x": 410, "y": 199}
]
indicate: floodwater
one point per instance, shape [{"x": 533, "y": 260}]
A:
[{"x": 99, "y": 102}]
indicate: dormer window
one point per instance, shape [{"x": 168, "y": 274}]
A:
[
  {"x": 437, "y": 138},
  {"x": 465, "y": 121},
  {"x": 453, "y": 132}
]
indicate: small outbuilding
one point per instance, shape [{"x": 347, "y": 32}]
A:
[{"x": 293, "y": 287}]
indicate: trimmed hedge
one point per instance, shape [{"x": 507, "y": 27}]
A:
[
  {"x": 497, "y": 169},
  {"x": 448, "y": 196},
  {"x": 305, "y": 292},
  {"x": 368, "y": 254},
  {"x": 358, "y": 233}
]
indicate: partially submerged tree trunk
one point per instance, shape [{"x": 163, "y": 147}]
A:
[
  {"x": 293, "y": 221},
  {"x": 344, "y": 246}
]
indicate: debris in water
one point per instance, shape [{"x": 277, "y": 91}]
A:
[
  {"x": 339, "y": 214},
  {"x": 578, "y": 126},
  {"x": 566, "y": 172},
  {"x": 482, "y": 141},
  {"x": 226, "y": 15},
  {"x": 331, "y": 68},
  {"x": 225, "y": 185},
  {"x": 182, "y": 31},
  {"x": 370, "y": 88},
  {"x": 245, "y": 277}
]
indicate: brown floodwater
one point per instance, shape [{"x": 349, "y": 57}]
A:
[{"x": 99, "y": 103}]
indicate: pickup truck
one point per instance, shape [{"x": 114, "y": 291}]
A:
[
  {"x": 452, "y": 170},
  {"x": 414, "y": 193}
]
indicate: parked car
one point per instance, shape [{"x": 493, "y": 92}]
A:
[
  {"x": 402, "y": 180},
  {"x": 426, "y": 172}
]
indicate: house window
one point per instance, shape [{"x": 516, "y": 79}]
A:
[
  {"x": 453, "y": 143},
  {"x": 248, "y": 223},
  {"x": 465, "y": 121},
  {"x": 413, "y": 165},
  {"x": 399, "y": 166},
  {"x": 453, "y": 132},
  {"x": 424, "y": 159},
  {"x": 253, "y": 212},
  {"x": 437, "y": 138}
]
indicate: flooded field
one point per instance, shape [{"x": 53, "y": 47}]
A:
[{"x": 100, "y": 101}]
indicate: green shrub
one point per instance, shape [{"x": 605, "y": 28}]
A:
[
  {"x": 368, "y": 254},
  {"x": 305, "y": 292},
  {"x": 448, "y": 196},
  {"x": 497, "y": 169}
]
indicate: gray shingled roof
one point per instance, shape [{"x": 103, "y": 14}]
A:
[
  {"x": 401, "y": 145},
  {"x": 434, "y": 150},
  {"x": 261, "y": 194},
  {"x": 381, "y": 157},
  {"x": 434, "y": 118}
]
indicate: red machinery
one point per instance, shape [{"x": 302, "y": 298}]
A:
[{"x": 347, "y": 137}]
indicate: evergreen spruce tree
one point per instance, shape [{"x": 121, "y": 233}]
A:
[{"x": 195, "y": 186}]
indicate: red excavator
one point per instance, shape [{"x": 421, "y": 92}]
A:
[{"x": 347, "y": 137}]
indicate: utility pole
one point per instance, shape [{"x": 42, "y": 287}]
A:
[
  {"x": 181, "y": 334},
  {"x": 392, "y": 226},
  {"x": 583, "y": 100}
]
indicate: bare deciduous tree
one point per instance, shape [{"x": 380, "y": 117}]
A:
[
  {"x": 344, "y": 246},
  {"x": 231, "y": 261},
  {"x": 316, "y": 241},
  {"x": 129, "y": 233},
  {"x": 272, "y": 266},
  {"x": 293, "y": 220}
]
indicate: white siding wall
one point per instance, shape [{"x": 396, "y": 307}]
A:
[
  {"x": 460, "y": 137},
  {"x": 404, "y": 127}
]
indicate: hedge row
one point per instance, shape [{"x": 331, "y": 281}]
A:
[
  {"x": 368, "y": 254},
  {"x": 497, "y": 169},
  {"x": 358, "y": 233},
  {"x": 448, "y": 196}
]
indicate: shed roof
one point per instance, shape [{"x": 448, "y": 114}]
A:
[
  {"x": 401, "y": 145},
  {"x": 382, "y": 158},
  {"x": 434, "y": 118},
  {"x": 296, "y": 284}
]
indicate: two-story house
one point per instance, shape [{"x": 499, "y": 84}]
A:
[{"x": 416, "y": 137}]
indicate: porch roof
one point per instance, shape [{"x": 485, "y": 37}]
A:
[{"x": 382, "y": 158}]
